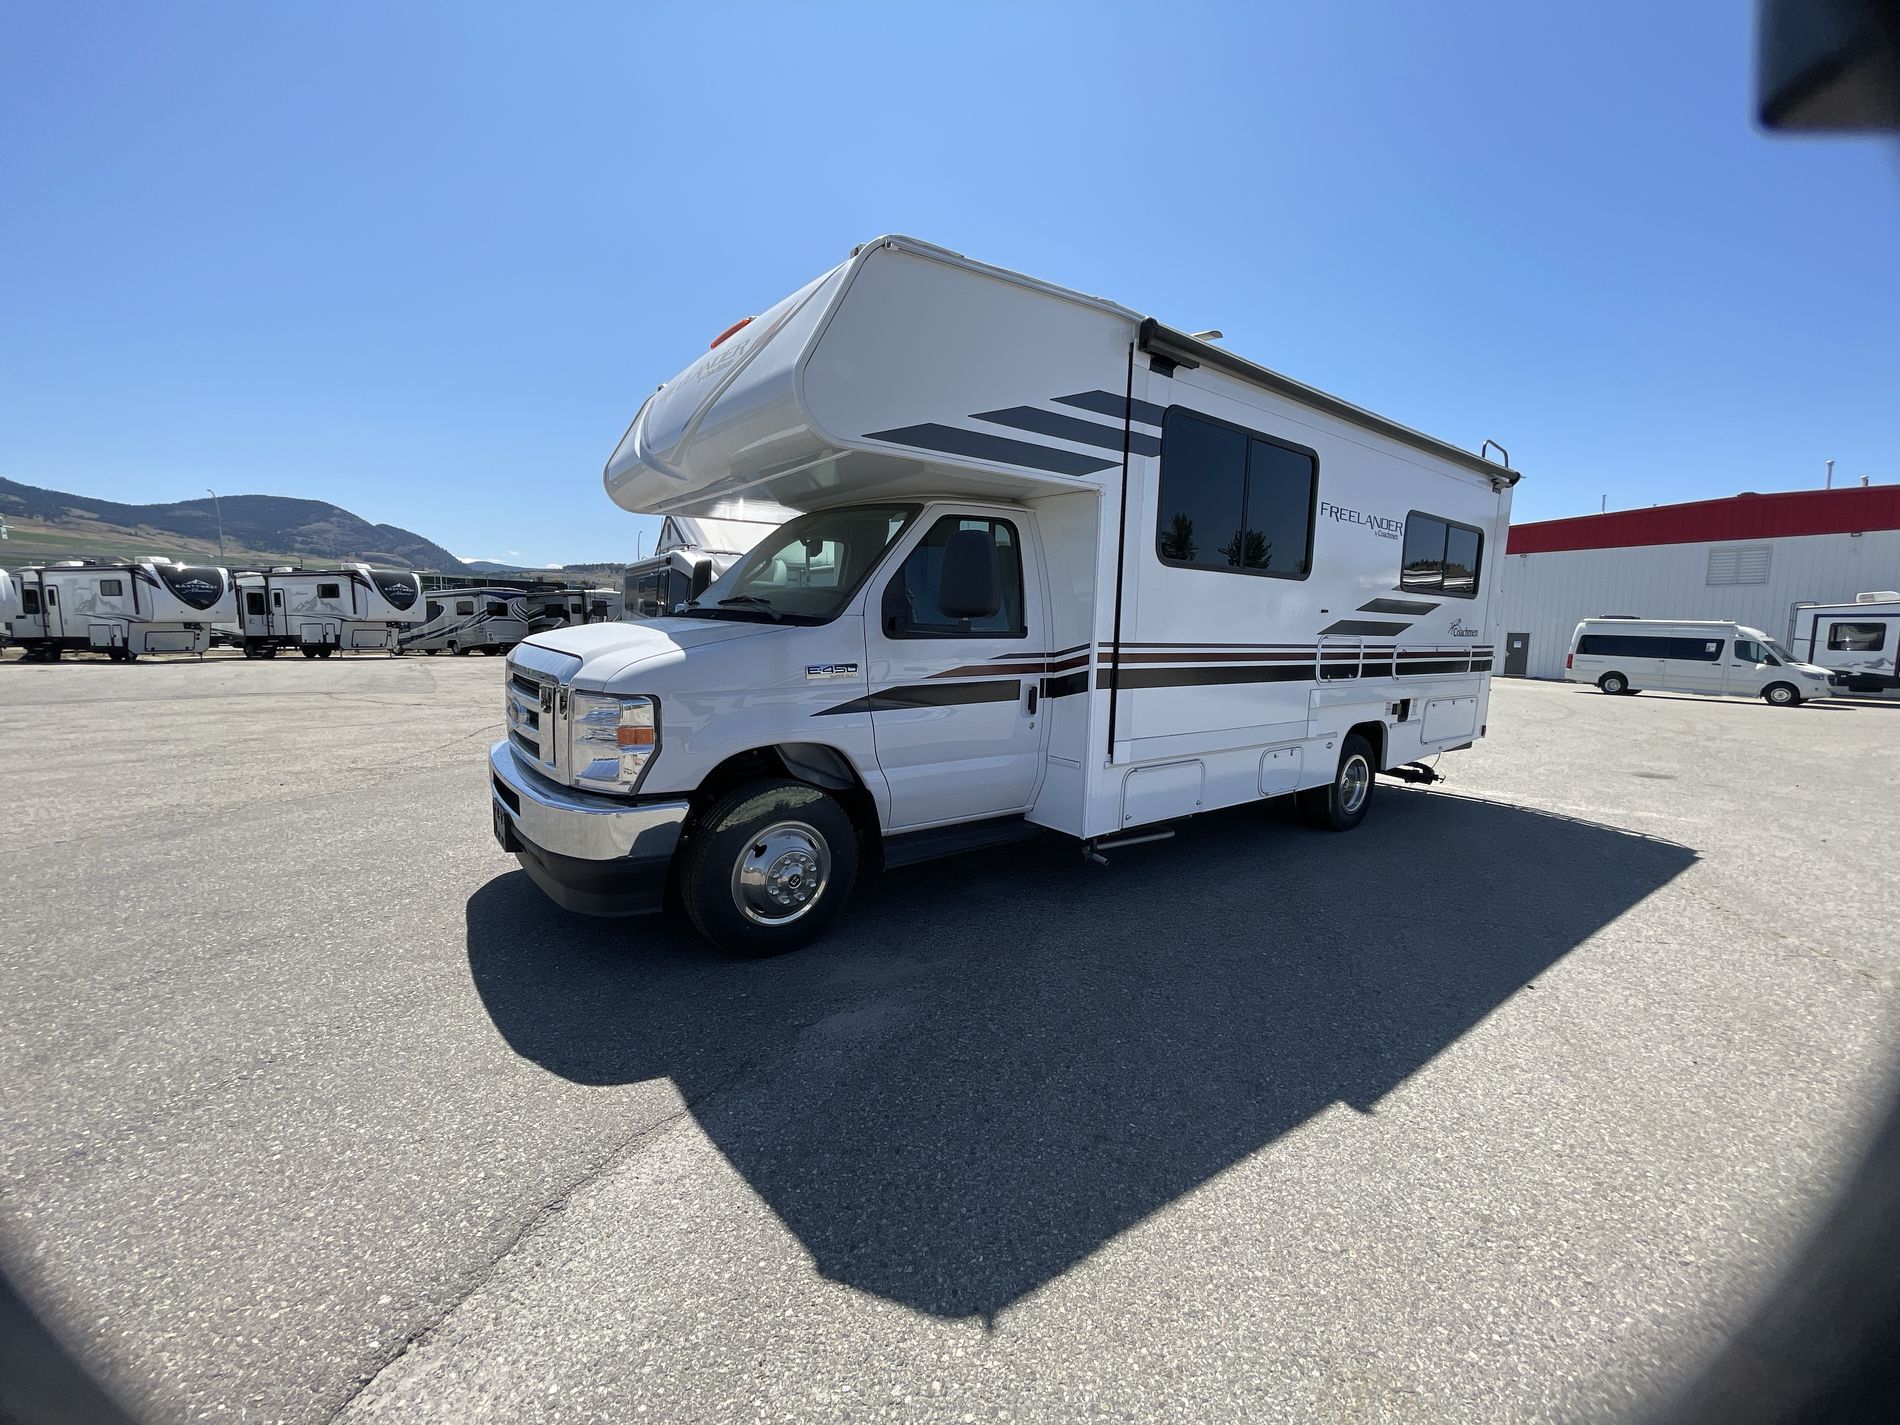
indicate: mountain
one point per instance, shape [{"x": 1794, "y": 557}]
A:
[{"x": 50, "y": 524}]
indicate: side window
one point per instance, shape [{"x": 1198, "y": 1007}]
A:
[
  {"x": 253, "y": 601},
  {"x": 911, "y": 605},
  {"x": 1857, "y": 637},
  {"x": 29, "y": 601},
  {"x": 1750, "y": 651},
  {"x": 464, "y": 607},
  {"x": 329, "y": 591},
  {"x": 1695, "y": 650},
  {"x": 1440, "y": 556},
  {"x": 496, "y": 609},
  {"x": 1233, "y": 500},
  {"x": 432, "y": 610},
  {"x": 112, "y": 588}
]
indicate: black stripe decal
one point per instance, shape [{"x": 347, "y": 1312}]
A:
[
  {"x": 1066, "y": 686},
  {"x": 1071, "y": 428},
  {"x": 921, "y": 695},
  {"x": 1368, "y": 627},
  {"x": 1107, "y": 403},
  {"x": 953, "y": 440},
  {"x": 1409, "y": 667},
  {"x": 1396, "y": 606},
  {"x": 1211, "y": 677}
]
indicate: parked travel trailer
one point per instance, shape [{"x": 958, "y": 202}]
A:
[
  {"x": 463, "y": 621},
  {"x": 1855, "y": 642},
  {"x": 1060, "y": 569},
  {"x": 9, "y": 605},
  {"x": 1627, "y": 655},
  {"x": 689, "y": 549},
  {"x": 318, "y": 611},
  {"x": 123, "y": 609},
  {"x": 559, "y": 608}
]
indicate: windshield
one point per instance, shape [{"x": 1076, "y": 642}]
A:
[
  {"x": 807, "y": 570},
  {"x": 1775, "y": 648}
]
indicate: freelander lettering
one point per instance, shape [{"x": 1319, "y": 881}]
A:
[{"x": 1381, "y": 525}]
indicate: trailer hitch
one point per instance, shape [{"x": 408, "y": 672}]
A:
[{"x": 1416, "y": 772}]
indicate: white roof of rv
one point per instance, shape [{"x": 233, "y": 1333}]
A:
[{"x": 716, "y": 536}]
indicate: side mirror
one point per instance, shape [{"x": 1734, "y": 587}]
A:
[
  {"x": 971, "y": 584},
  {"x": 702, "y": 579}
]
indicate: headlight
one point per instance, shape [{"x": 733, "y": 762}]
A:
[{"x": 611, "y": 740}]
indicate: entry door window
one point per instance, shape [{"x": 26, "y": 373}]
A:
[{"x": 913, "y": 605}]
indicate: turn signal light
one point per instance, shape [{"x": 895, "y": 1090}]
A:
[{"x": 635, "y": 736}]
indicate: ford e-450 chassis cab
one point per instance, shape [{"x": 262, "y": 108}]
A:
[{"x": 1057, "y": 568}]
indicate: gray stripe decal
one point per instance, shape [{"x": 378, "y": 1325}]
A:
[
  {"x": 1396, "y": 606},
  {"x": 953, "y": 440},
  {"x": 1072, "y": 428},
  {"x": 1107, "y": 403},
  {"x": 912, "y": 695},
  {"x": 1370, "y": 628}
]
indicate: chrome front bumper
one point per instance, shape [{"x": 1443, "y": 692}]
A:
[{"x": 581, "y": 826}]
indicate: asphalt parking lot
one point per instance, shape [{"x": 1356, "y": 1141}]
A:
[{"x": 1508, "y": 1106}]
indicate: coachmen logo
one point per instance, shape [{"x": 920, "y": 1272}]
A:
[
  {"x": 1382, "y": 525},
  {"x": 816, "y": 671},
  {"x": 1459, "y": 630}
]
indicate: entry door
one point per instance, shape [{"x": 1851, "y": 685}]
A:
[
  {"x": 1517, "y": 655},
  {"x": 277, "y": 620},
  {"x": 55, "y": 619},
  {"x": 1696, "y": 665},
  {"x": 955, "y": 704}
]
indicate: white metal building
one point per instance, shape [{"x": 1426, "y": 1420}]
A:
[{"x": 1749, "y": 558}]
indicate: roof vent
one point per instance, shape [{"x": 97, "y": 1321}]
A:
[{"x": 1881, "y": 596}]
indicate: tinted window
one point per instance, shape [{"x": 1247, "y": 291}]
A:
[
  {"x": 432, "y": 610},
  {"x": 464, "y": 606},
  {"x": 1696, "y": 650},
  {"x": 911, "y": 605},
  {"x": 496, "y": 609},
  {"x": 1230, "y": 500},
  {"x": 1623, "y": 645},
  {"x": 1857, "y": 637},
  {"x": 329, "y": 591},
  {"x": 1440, "y": 556},
  {"x": 253, "y": 601},
  {"x": 1750, "y": 651},
  {"x": 29, "y": 601},
  {"x": 112, "y": 588}
]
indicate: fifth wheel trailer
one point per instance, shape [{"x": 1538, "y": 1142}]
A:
[
  {"x": 123, "y": 609},
  {"x": 1858, "y": 643},
  {"x": 319, "y": 611},
  {"x": 1060, "y": 569}
]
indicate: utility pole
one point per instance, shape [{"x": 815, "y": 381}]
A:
[{"x": 219, "y": 511}]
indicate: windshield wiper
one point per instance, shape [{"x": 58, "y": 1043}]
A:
[{"x": 754, "y": 601}]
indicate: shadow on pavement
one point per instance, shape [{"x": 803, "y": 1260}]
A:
[{"x": 994, "y": 1065}]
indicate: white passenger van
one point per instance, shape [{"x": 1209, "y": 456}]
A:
[
  {"x": 1060, "y": 569},
  {"x": 1857, "y": 643},
  {"x": 1627, "y": 655}
]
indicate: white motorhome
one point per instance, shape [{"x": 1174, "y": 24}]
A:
[
  {"x": 1061, "y": 569},
  {"x": 463, "y": 621},
  {"x": 1626, "y": 655},
  {"x": 318, "y": 611},
  {"x": 122, "y": 609},
  {"x": 561, "y": 608},
  {"x": 687, "y": 550},
  {"x": 1856, "y": 642}
]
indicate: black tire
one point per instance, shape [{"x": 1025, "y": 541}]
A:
[
  {"x": 1782, "y": 695},
  {"x": 325, "y": 652},
  {"x": 1342, "y": 803},
  {"x": 491, "y": 650},
  {"x": 1615, "y": 684},
  {"x": 810, "y": 837},
  {"x": 430, "y": 651},
  {"x": 308, "y": 652},
  {"x": 458, "y": 651}
]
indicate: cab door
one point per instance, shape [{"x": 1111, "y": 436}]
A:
[
  {"x": 1749, "y": 669},
  {"x": 955, "y": 700}
]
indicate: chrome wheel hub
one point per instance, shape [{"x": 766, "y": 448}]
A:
[
  {"x": 781, "y": 873},
  {"x": 1355, "y": 780}
]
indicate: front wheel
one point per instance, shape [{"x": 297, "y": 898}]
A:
[
  {"x": 1342, "y": 805},
  {"x": 1782, "y": 695},
  {"x": 769, "y": 867}
]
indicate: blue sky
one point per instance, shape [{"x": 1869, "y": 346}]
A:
[{"x": 425, "y": 261}]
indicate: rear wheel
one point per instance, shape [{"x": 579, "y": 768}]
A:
[
  {"x": 309, "y": 652},
  {"x": 325, "y": 652},
  {"x": 1342, "y": 805},
  {"x": 1782, "y": 695},
  {"x": 459, "y": 651},
  {"x": 769, "y": 867},
  {"x": 1614, "y": 684}
]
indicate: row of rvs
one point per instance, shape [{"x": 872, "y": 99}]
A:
[{"x": 129, "y": 608}]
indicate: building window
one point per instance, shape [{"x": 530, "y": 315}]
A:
[
  {"x": 1857, "y": 637},
  {"x": 912, "y": 608},
  {"x": 1739, "y": 564},
  {"x": 1440, "y": 557},
  {"x": 1234, "y": 500},
  {"x": 329, "y": 591},
  {"x": 112, "y": 588}
]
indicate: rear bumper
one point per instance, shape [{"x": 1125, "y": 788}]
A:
[{"x": 594, "y": 854}]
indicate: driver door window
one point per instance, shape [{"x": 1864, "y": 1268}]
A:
[{"x": 912, "y": 607}]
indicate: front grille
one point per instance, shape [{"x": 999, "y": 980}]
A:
[{"x": 533, "y": 719}]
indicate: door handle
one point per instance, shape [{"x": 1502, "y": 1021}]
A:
[{"x": 1032, "y": 699}]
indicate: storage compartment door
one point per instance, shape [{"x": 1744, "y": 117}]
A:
[
  {"x": 1151, "y": 794},
  {"x": 1450, "y": 719}
]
